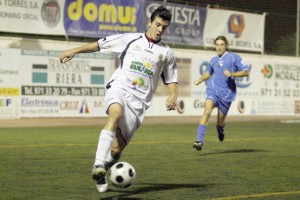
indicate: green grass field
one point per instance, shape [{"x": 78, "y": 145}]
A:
[{"x": 257, "y": 160}]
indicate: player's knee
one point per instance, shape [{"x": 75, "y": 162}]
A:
[{"x": 207, "y": 112}]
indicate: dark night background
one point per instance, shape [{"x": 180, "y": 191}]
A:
[{"x": 281, "y": 18}]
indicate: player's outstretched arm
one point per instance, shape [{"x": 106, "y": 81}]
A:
[
  {"x": 204, "y": 77},
  {"x": 67, "y": 55},
  {"x": 172, "y": 98}
]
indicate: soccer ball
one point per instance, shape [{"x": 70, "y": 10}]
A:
[{"x": 122, "y": 174}]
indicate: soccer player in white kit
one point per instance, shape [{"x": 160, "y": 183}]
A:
[{"x": 144, "y": 59}]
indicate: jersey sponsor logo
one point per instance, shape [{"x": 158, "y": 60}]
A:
[
  {"x": 138, "y": 83},
  {"x": 236, "y": 25},
  {"x": 144, "y": 68}
]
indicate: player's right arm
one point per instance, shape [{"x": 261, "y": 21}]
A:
[
  {"x": 204, "y": 77},
  {"x": 67, "y": 55}
]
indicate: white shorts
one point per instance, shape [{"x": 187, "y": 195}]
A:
[{"x": 133, "y": 111}]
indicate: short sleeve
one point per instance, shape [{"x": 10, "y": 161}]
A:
[
  {"x": 240, "y": 64},
  {"x": 114, "y": 43},
  {"x": 170, "y": 69}
]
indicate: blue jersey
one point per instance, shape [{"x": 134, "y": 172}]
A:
[{"x": 223, "y": 87}]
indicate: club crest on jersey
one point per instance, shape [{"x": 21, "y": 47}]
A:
[
  {"x": 220, "y": 63},
  {"x": 160, "y": 57}
]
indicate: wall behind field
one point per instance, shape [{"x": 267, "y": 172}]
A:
[{"x": 33, "y": 83}]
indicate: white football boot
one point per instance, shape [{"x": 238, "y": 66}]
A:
[{"x": 99, "y": 175}]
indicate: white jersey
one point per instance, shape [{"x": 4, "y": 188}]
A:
[{"x": 142, "y": 63}]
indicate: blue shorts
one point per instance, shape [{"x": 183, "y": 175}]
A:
[{"x": 219, "y": 103}]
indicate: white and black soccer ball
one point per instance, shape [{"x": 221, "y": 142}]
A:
[{"x": 122, "y": 174}]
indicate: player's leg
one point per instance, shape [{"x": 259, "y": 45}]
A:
[
  {"x": 222, "y": 113},
  {"x": 128, "y": 123},
  {"x": 114, "y": 155},
  {"x": 220, "y": 125},
  {"x": 114, "y": 108},
  {"x": 130, "y": 119},
  {"x": 108, "y": 134},
  {"x": 105, "y": 142},
  {"x": 209, "y": 106}
]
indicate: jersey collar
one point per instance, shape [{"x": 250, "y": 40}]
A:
[
  {"x": 223, "y": 54},
  {"x": 151, "y": 40}
]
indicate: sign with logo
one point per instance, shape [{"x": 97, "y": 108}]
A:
[
  {"x": 32, "y": 16},
  {"x": 102, "y": 18},
  {"x": 50, "y": 88},
  {"x": 82, "y": 76},
  {"x": 244, "y": 31},
  {"x": 10, "y": 78},
  {"x": 187, "y": 23}
]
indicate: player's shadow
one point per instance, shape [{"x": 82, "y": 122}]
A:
[
  {"x": 150, "y": 187},
  {"x": 233, "y": 151}
]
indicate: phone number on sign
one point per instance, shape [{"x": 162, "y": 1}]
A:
[
  {"x": 280, "y": 92},
  {"x": 62, "y": 91}
]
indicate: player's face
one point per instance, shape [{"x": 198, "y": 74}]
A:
[
  {"x": 220, "y": 47},
  {"x": 157, "y": 28}
]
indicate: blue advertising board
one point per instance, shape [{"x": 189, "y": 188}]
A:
[{"x": 94, "y": 18}]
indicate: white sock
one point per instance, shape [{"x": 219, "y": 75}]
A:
[{"x": 104, "y": 145}]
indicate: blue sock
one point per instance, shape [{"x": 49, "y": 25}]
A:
[{"x": 200, "y": 133}]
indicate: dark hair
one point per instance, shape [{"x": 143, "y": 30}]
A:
[
  {"x": 221, "y": 37},
  {"x": 161, "y": 12}
]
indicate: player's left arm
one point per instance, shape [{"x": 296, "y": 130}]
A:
[
  {"x": 242, "y": 68},
  {"x": 170, "y": 78},
  {"x": 236, "y": 74},
  {"x": 172, "y": 98}
]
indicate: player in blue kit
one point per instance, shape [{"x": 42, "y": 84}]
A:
[{"x": 221, "y": 90}]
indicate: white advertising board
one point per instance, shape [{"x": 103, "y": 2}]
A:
[
  {"x": 9, "y": 82},
  {"x": 74, "y": 89},
  {"x": 244, "y": 31},
  {"x": 32, "y": 16},
  {"x": 33, "y": 83}
]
